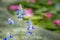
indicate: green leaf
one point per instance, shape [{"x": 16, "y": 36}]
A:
[
  {"x": 36, "y": 17},
  {"x": 53, "y": 11},
  {"x": 44, "y": 9}
]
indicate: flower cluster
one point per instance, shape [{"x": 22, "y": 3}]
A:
[
  {"x": 29, "y": 26},
  {"x": 10, "y": 21},
  {"x": 9, "y": 37},
  {"x": 20, "y": 13}
]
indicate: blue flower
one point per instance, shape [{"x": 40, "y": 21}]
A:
[
  {"x": 29, "y": 32},
  {"x": 10, "y": 21},
  {"x": 18, "y": 11},
  {"x": 23, "y": 14},
  {"x": 28, "y": 28},
  {"x": 20, "y": 17},
  {"x": 5, "y": 38},
  {"x": 33, "y": 27},
  {"x": 11, "y": 36}
]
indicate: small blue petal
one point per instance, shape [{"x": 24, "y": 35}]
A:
[
  {"x": 28, "y": 28},
  {"x": 18, "y": 11},
  {"x": 19, "y": 16},
  {"x": 4, "y": 38},
  {"x": 29, "y": 32},
  {"x": 11, "y": 36},
  {"x": 9, "y": 22},
  {"x": 33, "y": 27},
  {"x": 23, "y": 14}
]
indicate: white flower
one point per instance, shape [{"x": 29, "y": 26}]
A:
[{"x": 10, "y": 21}]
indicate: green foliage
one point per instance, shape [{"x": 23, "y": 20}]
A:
[{"x": 40, "y": 7}]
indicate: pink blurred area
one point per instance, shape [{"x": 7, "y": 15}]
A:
[
  {"x": 48, "y": 15},
  {"x": 13, "y": 7},
  {"x": 28, "y": 12},
  {"x": 57, "y": 22}
]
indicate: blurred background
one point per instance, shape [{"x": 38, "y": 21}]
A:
[{"x": 44, "y": 14}]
